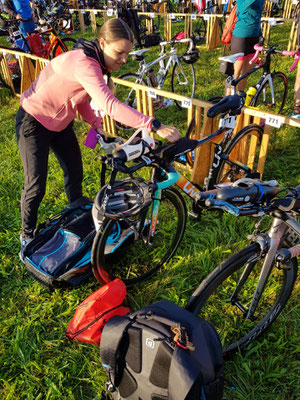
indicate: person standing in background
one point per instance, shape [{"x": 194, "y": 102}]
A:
[
  {"x": 21, "y": 10},
  {"x": 245, "y": 35},
  {"x": 296, "y": 112}
]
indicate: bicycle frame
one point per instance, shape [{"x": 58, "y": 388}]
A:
[
  {"x": 144, "y": 67},
  {"x": 186, "y": 185},
  {"x": 270, "y": 243},
  {"x": 53, "y": 39},
  {"x": 266, "y": 77}
]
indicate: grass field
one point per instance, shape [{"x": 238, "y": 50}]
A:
[{"x": 38, "y": 363}]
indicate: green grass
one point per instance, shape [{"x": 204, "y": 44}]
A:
[{"x": 37, "y": 362}]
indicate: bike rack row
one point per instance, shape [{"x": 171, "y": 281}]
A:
[
  {"x": 213, "y": 35},
  {"x": 31, "y": 66}
]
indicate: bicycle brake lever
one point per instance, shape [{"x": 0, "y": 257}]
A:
[{"x": 109, "y": 147}]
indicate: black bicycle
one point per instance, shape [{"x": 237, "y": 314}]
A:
[{"x": 134, "y": 247}]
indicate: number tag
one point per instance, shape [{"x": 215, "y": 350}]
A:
[
  {"x": 193, "y": 17},
  {"x": 224, "y": 1},
  {"x": 227, "y": 122},
  {"x": 82, "y": 11},
  {"x": 71, "y": 11},
  {"x": 206, "y": 17},
  {"x": 151, "y": 93},
  {"x": 186, "y": 103},
  {"x": 109, "y": 12},
  {"x": 95, "y": 12},
  {"x": 276, "y": 122},
  {"x": 272, "y": 21},
  {"x": 152, "y": 15},
  {"x": 172, "y": 16}
]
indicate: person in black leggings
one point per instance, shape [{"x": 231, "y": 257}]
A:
[{"x": 245, "y": 35}]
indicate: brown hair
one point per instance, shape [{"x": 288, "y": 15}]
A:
[
  {"x": 115, "y": 29},
  {"x": 112, "y": 30}
]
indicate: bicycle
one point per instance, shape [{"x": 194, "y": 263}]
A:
[
  {"x": 183, "y": 74},
  {"x": 263, "y": 92},
  {"x": 199, "y": 31},
  {"x": 164, "y": 218},
  {"x": 251, "y": 288},
  {"x": 56, "y": 13},
  {"x": 270, "y": 91},
  {"x": 46, "y": 44}
]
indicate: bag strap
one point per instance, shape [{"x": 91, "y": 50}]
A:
[
  {"x": 154, "y": 317},
  {"x": 111, "y": 338},
  {"x": 82, "y": 202}
]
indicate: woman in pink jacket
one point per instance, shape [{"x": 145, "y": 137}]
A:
[{"x": 48, "y": 108}]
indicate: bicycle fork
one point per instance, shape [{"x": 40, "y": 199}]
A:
[
  {"x": 261, "y": 82},
  {"x": 269, "y": 246}
]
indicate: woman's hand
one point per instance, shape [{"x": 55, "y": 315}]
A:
[
  {"x": 102, "y": 133},
  {"x": 168, "y": 132}
]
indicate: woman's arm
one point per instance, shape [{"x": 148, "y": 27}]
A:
[
  {"x": 87, "y": 113},
  {"x": 89, "y": 74}
]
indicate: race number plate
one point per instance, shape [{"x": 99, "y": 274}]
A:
[
  {"x": 274, "y": 121},
  {"x": 227, "y": 122}
]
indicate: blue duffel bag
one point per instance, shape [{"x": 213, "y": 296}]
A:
[{"x": 60, "y": 253}]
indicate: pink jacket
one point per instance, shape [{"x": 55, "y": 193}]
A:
[{"x": 65, "y": 86}]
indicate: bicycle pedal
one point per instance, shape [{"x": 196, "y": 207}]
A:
[{"x": 194, "y": 216}]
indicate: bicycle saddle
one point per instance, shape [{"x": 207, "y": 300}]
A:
[
  {"x": 231, "y": 58},
  {"x": 138, "y": 53},
  {"x": 232, "y": 103}
]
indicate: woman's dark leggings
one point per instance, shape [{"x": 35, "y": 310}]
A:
[{"x": 34, "y": 142}]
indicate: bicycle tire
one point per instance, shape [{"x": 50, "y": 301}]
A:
[
  {"x": 263, "y": 99},
  {"x": 230, "y": 168},
  {"x": 199, "y": 31},
  {"x": 234, "y": 329},
  {"x": 134, "y": 261},
  {"x": 127, "y": 95},
  {"x": 183, "y": 80},
  {"x": 67, "y": 44}
]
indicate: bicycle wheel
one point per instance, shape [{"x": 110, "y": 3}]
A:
[
  {"x": 199, "y": 31},
  {"x": 62, "y": 46},
  {"x": 119, "y": 253},
  {"x": 213, "y": 299},
  {"x": 183, "y": 80},
  {"x": 127, "y": 95},
  {"x": 264, "y": 101},
  {"x": 241, "y": 156}
]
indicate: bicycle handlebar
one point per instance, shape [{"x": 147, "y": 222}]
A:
[
  {"x": 258, "y": 48},
  {"x": 174, "y": 41},
  {"x": 260, "y": 206}
]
